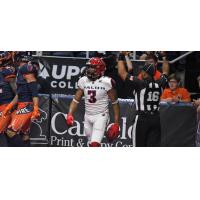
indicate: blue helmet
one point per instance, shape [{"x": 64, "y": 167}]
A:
[
  {"x": 23, "y": 56},
  {"x": 5, "y": 58}
]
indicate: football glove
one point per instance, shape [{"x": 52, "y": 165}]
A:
[
  {"x": 36, "y": 113},
  {"x": 112, "y": 132},
  {"x": 69, "y": 119}
]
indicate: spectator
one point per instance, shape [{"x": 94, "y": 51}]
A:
[{"x": 175, "y": 93}]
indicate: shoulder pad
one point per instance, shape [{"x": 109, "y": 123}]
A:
[
  {"x": 113, "y": 83},
  {"x": 9, "y": 72},
  {"x": 108, "y": 82},
  {"x": 105, "y": 79},
  {"x": 82, "y": 81}
]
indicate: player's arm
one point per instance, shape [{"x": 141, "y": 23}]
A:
[
  {"x": 112, "y": 94},
  {"x": 10, "y": 78},
  {"x": 12, "y": 82},
  {"x": 73, "y": 106},
  {"x": 114, "y": 128},
  {"x": 75, "y": 101},
  {"x": 10, "y": 106},
  {"x": 33, "y": 86}
]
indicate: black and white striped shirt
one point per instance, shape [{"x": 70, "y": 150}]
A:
[{"x": 147, "y": 92}]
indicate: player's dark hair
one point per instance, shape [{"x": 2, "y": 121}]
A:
[{"x": 173, "y": 76}]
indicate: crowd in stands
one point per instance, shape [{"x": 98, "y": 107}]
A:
[{"x": 176, "y": 91}]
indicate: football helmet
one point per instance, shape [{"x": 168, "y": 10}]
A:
[
  {"x": 95, "y": 68},
  {"x": 22, "y": 56}
]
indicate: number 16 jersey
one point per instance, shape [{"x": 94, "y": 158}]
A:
[
  {"x": 95, "y": 92},
  {"x": 147, "y": 92}
]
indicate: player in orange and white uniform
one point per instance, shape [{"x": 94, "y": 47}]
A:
[
  {"x": 27, "y": 102},
  {"x": 7, "y": 91},
  {"x": 97, "y": 89}
]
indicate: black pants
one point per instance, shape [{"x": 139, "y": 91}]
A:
[{"x": 147, "y": 130}]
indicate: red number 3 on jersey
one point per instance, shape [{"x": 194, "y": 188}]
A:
[{"x": 92, "y": 94}]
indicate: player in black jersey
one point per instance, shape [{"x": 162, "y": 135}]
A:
[{"x": 146, "y": 128}]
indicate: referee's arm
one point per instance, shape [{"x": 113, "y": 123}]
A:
[
  {"x": 163, "y": 81},
  {"x": 132, "y": 81},
  {"x": 122, "y": 70}
]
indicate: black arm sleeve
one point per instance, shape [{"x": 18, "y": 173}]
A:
[
  {"x": 134, "y": 82},
  {"x": 163, "y": 81}
]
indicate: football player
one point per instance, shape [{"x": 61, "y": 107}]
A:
[
  {"x": 97, "y": 89},
  {"x": 7, "y": 91},
  {"x": 26, "y": 99}
]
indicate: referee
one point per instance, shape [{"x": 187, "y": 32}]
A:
[{"x": 147, "y": 92}]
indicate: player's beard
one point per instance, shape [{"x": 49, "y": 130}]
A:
[{"x": 92, "y": 75}]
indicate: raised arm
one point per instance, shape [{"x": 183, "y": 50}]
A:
[
  {"x": 128, "y": 61},
  {"x": 121, "y": 67},
  {"x": 165, "y": 65}
]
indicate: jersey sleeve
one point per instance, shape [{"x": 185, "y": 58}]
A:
[
  {"x": 81, "y": 83},
  {"x": 9, "y": 72},
  {"x": 109, "y": 84},
  {"x": 134, "y": 82}
]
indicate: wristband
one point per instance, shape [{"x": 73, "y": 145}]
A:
[
  {"x": 121, "y": 57},
  {"x": 115, "y": 102},
  {"x": 76, "y": 101}
]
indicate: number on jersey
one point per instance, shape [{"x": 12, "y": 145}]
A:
[
  {"x": 92, "y": 94},
  {"x": 153, "y": 96}
]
